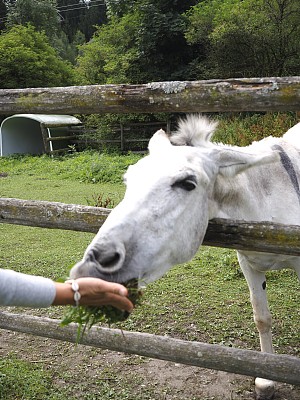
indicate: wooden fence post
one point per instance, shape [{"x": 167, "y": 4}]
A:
[{"x": 122, "y": 137}]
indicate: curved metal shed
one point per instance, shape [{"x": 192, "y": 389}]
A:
[{"x": 36, "y": 133}]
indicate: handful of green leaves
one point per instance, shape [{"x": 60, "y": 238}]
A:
[{"x": 87, "y": 316}]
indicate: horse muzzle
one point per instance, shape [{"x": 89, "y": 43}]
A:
[{"x": 104, "y": 262}]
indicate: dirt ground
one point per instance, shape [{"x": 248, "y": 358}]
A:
[{"x": 88, "y": 366}]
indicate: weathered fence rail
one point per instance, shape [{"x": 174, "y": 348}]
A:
[
  {"x": 244, "y": 94},
  {"x": 281, "y": 368},
  {"x": 258, "y": 236}
]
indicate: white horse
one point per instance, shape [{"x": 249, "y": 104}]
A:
[{"x": 174, "y": 191}]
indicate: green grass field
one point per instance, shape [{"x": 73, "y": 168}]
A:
[{"x": 206, "y": 299}]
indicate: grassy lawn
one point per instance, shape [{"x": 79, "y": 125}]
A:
[{"x": 206, "y": 299}]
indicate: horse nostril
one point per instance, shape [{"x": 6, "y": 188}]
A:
[
  {"x": 109, "y": 260},
  {"x": 93, "y": 255},
  {"x": 106, "y": 256},
  {"x": 105, "y": 259}
]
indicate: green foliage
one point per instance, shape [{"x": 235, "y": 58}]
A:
[
  {"x": 259, "y": 34},
  {"x": 141, "y": 42},
  {"x": 98, "y": 168},
  {"x": 2, "y": 15},
  {"x": 249, "y": 38},
  {"x": 66, "y": 50},
  {"x": 117, "y": 8},
  {"x": 108, "y": 58},
  {"x": 156, "y": 40},
  {"x": 164, "y": 54},
  {"x": 86, "y": 317},
  {"x": 61, "y": 21},
  {"x": 246, "y": 128},
  {"x": 27, "y": 60},
  {"x": 107, "y": 127},
  {"x": 41, "y": 14},
  {"x": 90, "y": 167},
  {"x": 80, "y": 17}
]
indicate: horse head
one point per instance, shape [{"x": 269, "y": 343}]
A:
[{"x": 168, "y": 202}]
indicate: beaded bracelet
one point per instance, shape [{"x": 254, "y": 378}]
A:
[{"x": 75, "y": 288}]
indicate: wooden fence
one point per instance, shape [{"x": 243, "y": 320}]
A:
[
  {"x": 256, "y": 94},
  {"x": 132, "y": 136},
  {"x": 276, "y": 238}
]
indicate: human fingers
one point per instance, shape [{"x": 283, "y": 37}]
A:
[
  {"x": 97, "y": 292},
  {"x": 114, "y": 287},
  {"x": 120, "y": 302},
  {"x": 96, "y": 285},
  {"x": 103, "y": 299}
]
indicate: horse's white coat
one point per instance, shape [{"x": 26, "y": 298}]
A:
[{"x": 174, "y": 191}]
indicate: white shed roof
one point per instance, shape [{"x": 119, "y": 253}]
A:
[{"x": 48, "y": 119}]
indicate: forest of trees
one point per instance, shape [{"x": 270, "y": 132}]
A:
[{"x": 69, "y": 42}]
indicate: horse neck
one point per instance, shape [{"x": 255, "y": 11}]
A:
[
  {"x": 261, "y": 193},
  {"x": 238, "y": 198}
]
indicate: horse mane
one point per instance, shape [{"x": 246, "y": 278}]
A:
[{"x": 194, "y": 130}]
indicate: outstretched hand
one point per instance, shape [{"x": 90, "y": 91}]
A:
[{"x": 94, "y": 292}]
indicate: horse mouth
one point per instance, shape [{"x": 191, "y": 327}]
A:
[
  {"x": 134, "y": 295},
  {"x": 134, "y": 291}
]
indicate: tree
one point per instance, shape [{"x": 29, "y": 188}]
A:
[
  {"x": 3, "y": 12},
  {"x": 142, "y": 41},
  {"x": 61, "y": 20},
  {"x": 41, "y": 14},
  {"x": 284, "y": 34},
  {"x": 164, "y": 54},
  {"x": 28, "y": 60},
  {"x": 110, "y": 55},
  {"x": 246, "y": 38},
  {"x": 81, "y": 16}
]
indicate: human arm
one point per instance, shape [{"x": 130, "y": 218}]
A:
[{"x": 17, "y": 289}]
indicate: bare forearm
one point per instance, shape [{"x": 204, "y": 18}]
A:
[{"x": 64, "y": 295}]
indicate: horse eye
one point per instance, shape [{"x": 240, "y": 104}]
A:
[{"x": 186, "y": 184}]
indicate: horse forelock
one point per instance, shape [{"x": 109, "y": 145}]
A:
[{"x": 194, "y": 130}]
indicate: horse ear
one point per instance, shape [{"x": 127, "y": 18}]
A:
[
  {"x": 232, "y": 162},
  {"x": 159, "y": 141}
]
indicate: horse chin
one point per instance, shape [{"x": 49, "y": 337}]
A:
[{"x": 153, "y": 275}]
